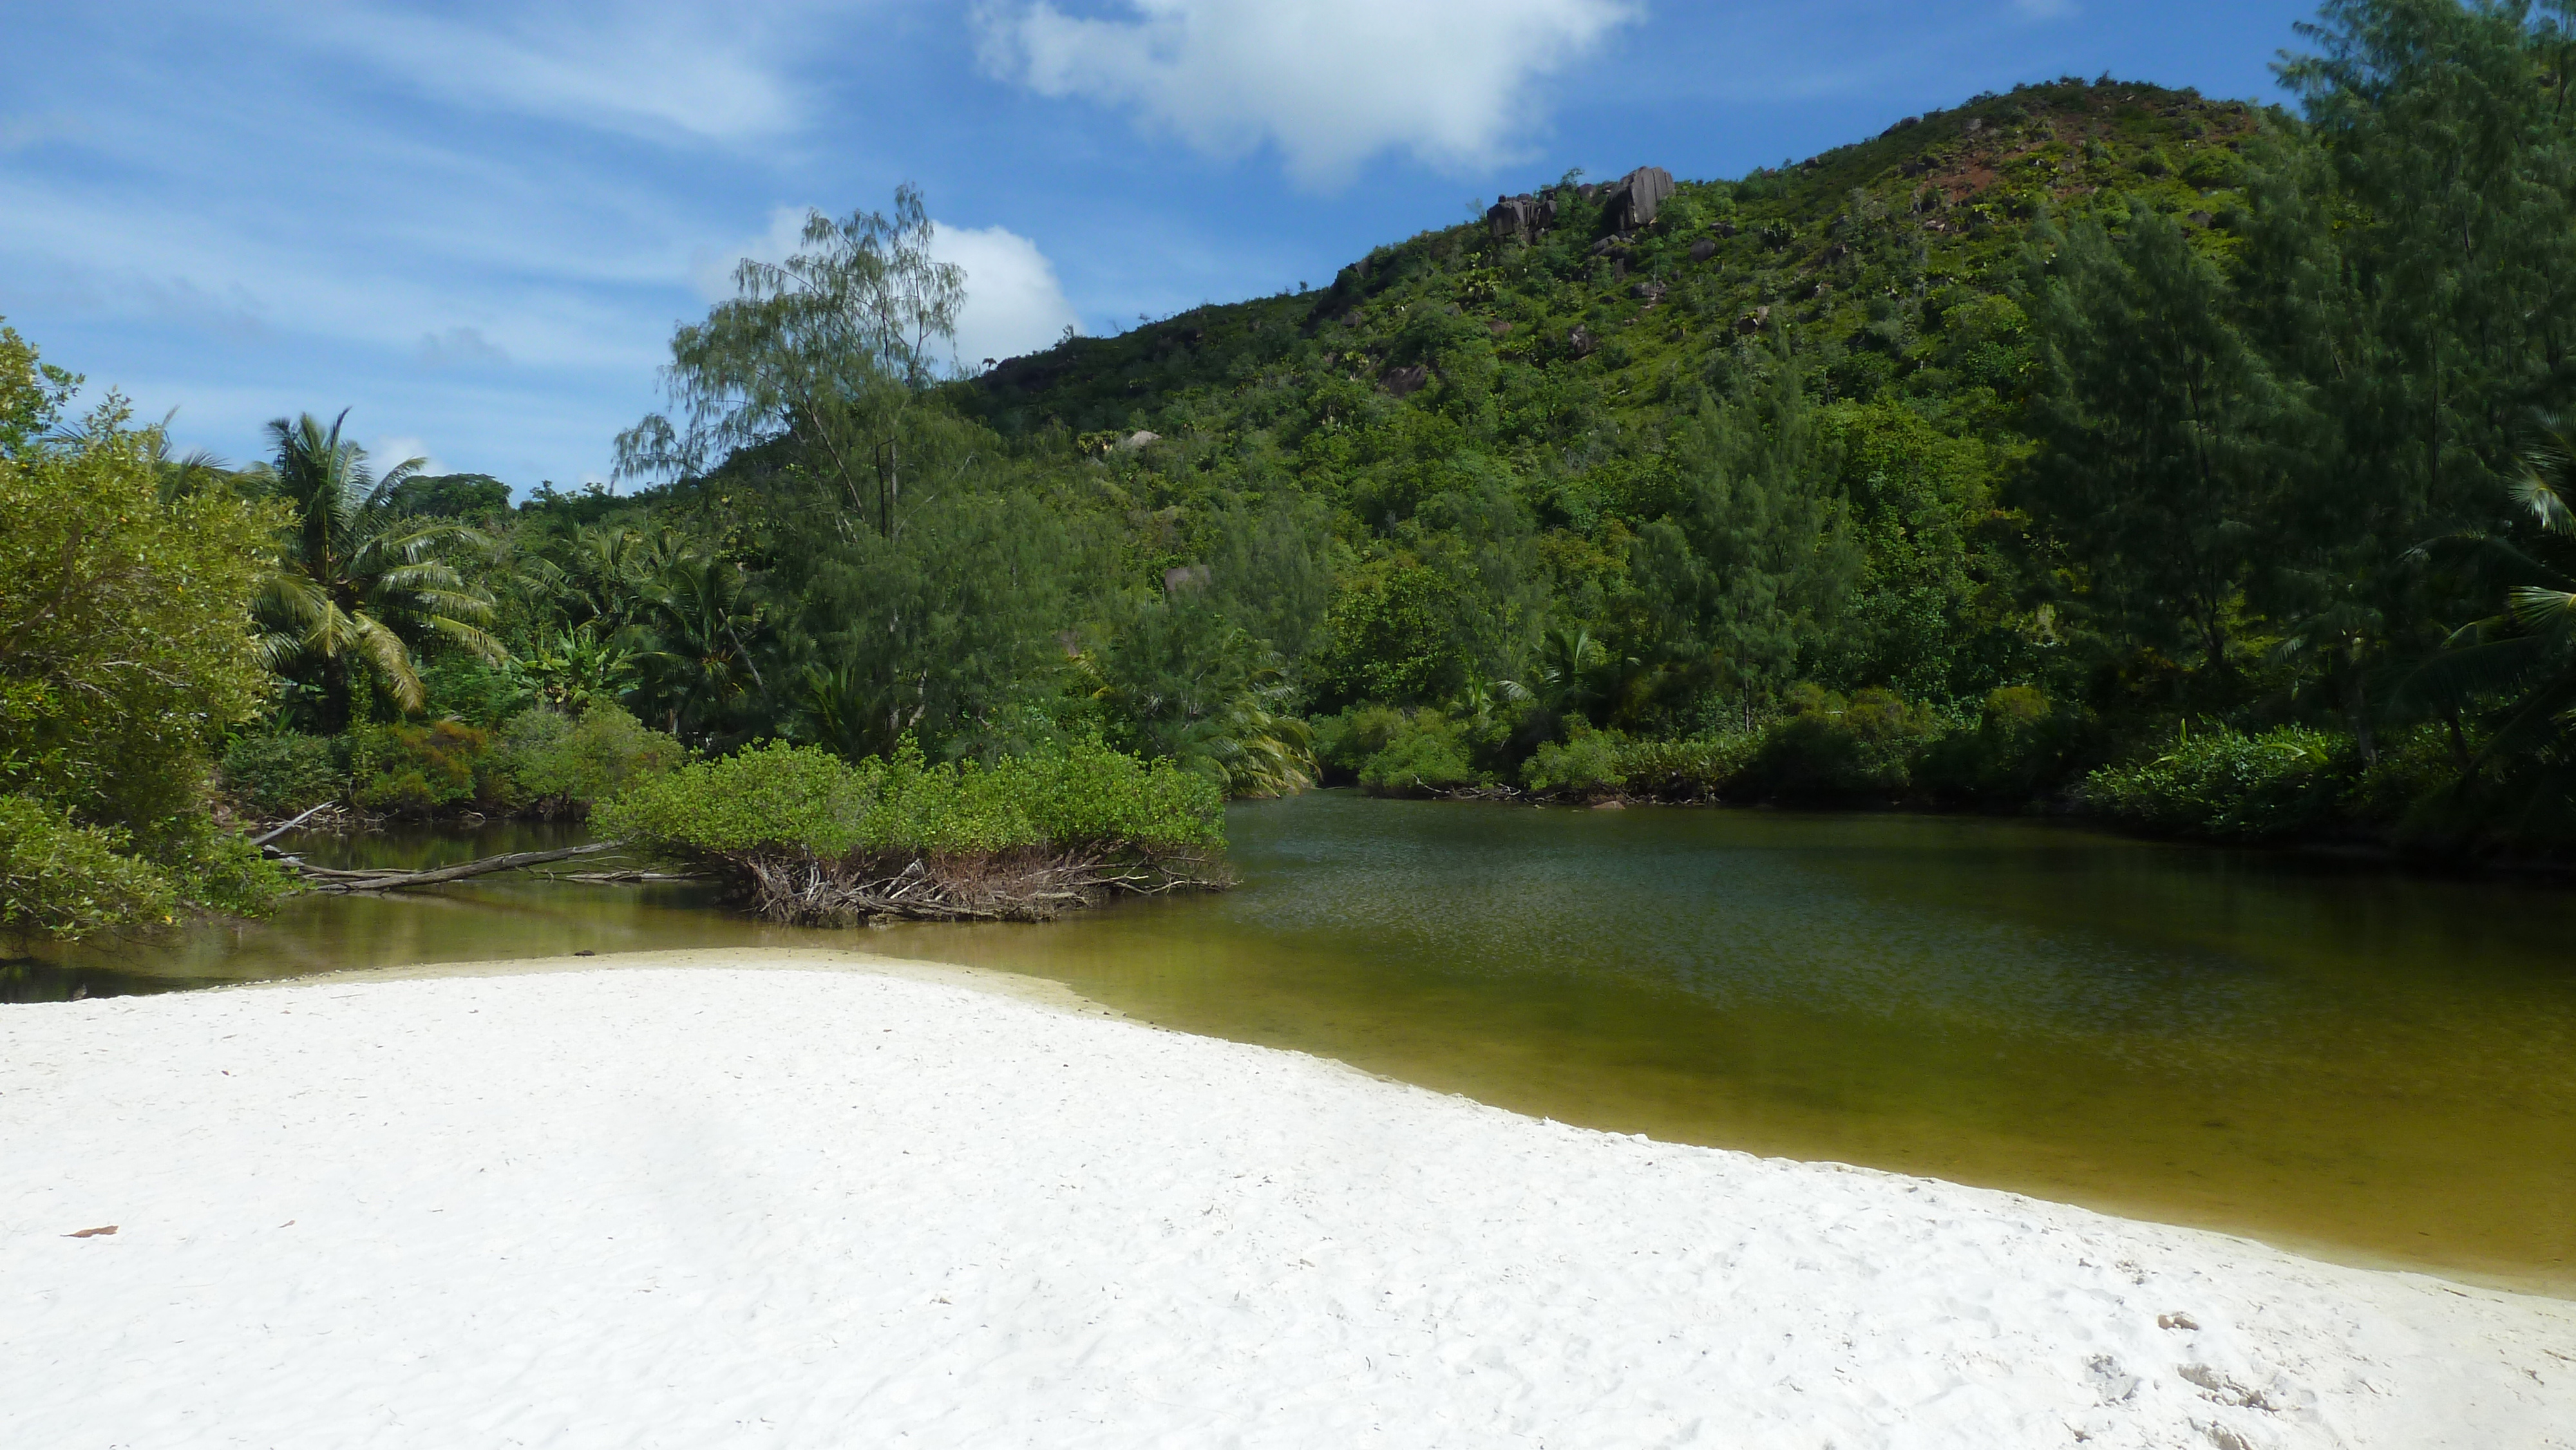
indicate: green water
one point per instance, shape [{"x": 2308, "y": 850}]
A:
[{"x": 2332, "y": 1057}]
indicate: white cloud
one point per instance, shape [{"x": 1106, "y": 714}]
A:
[
  {"x": 1330, "y": 82},
  {"x": 1014, "y": 302}
]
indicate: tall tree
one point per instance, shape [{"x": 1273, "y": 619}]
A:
[
  {"x": 2154, "y": 410},
  {"x": 1734, "y": 588},
  {"x": 2410, "y": 260},
  {"x": 126, "y": 649},
  {"x": 826, "y": 349}
]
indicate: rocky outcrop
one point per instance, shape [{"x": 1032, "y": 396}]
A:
[
  {"x": 1580, "y": 343},
  {"x": 1521, "y": 218},
  {"x": 1636, "y": 197},
  {"x": 1405, "y": 382},
  {"x": 1702, "y": 250}
]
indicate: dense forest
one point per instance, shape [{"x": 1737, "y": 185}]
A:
[{"x": 2092, "y": 448}]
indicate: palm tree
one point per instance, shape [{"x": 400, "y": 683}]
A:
[
  {"x": 1568, "y": 657},
  {"x": 360, "y": 581},
  {"x": 699, "y": 622}
]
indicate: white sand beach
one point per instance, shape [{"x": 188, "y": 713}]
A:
[{"x": 683, "y": 1204}]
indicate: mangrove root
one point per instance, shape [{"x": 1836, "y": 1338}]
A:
[{"x": 1011, "y": 886}]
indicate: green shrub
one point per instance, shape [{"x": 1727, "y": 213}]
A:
[
  {"x": 280, "y": 774},
  {"x": 2413, "y": 785},
  {"x": 2226, "y": 786},
  {"x": 1346, "y": 741},
  {"x": 805, "y": 801},
  {"x": 1426, "y": 753},
  {"x": 1830, "y": 747},
  {"x": 417, "y": 770},
  {"x": 2024, "y": 746},
  {"x": 1691, "y": 770},
  {"x": 555, "y": 765},
  {"x": 217, "y": 870},
  {"x": 62, "y": 879},
  {"x": 1587, "y": 764}
]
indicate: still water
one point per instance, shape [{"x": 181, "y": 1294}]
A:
[{"x": 2342, "y": 1059}]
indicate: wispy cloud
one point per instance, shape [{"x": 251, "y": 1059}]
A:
[
  {"x": 17, "y": 133},
  {"x": 460, "y": 347},
  {"x": 652, "y": 70},
  {"x": 1329, "y": 82}
]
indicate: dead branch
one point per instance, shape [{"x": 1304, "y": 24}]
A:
[
  {"x": 307, "y": 814},
  {"x": 323, "y": 878}
]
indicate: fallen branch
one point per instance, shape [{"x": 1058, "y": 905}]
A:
[{"x": 323, "y": 878}]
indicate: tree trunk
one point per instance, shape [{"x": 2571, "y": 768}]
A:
[{"x": 2356, "y": 708}]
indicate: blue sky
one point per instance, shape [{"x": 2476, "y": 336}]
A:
[{"x": 474, "y": 224}]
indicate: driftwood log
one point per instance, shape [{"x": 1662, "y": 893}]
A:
[{"x": 325, "y": 879}]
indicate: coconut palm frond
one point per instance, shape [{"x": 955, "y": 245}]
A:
[
  {"x": 385, "y": 650},
  {"x": 465, "y": 636}
]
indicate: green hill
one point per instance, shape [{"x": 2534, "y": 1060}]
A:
[
  {"x": 1880, "y": 261},
  {"x": 1494, "y": 417}
]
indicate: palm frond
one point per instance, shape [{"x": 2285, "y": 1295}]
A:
[{"x": 385, "y": 650}]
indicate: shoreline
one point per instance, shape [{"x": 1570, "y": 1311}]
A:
[{"x": 670, "y": 1197}]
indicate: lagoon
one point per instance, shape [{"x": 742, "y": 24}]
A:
[{"x": 2333, "y": 1057}]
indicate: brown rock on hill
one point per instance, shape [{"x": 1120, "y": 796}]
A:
[{"x": 1638, "y": 196}]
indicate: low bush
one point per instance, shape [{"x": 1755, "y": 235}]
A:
[
  {"x": 809, "y": 836},
  {"x": 221, "y": 871},
  {"x": 1833, "y": 748},
  {"x": 1344, "y": 742},
  {"x": 1587, "y": 765},
  {"x": 271, "y": 775},
  {"x": 1425, "y": 755},
  {"x": 418, "y": 770},
  {"x": 61, "y": 879},
  {"x": 2225, "y": 786},
  {"x": 1393, "y": 752},
  {"x": 1702, "y": 769},
  {"x": 2024, "y": 746},
  {"x": 554, "y": 765}
]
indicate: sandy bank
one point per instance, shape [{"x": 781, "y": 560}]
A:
[{"x": 910, "y": 1206}]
